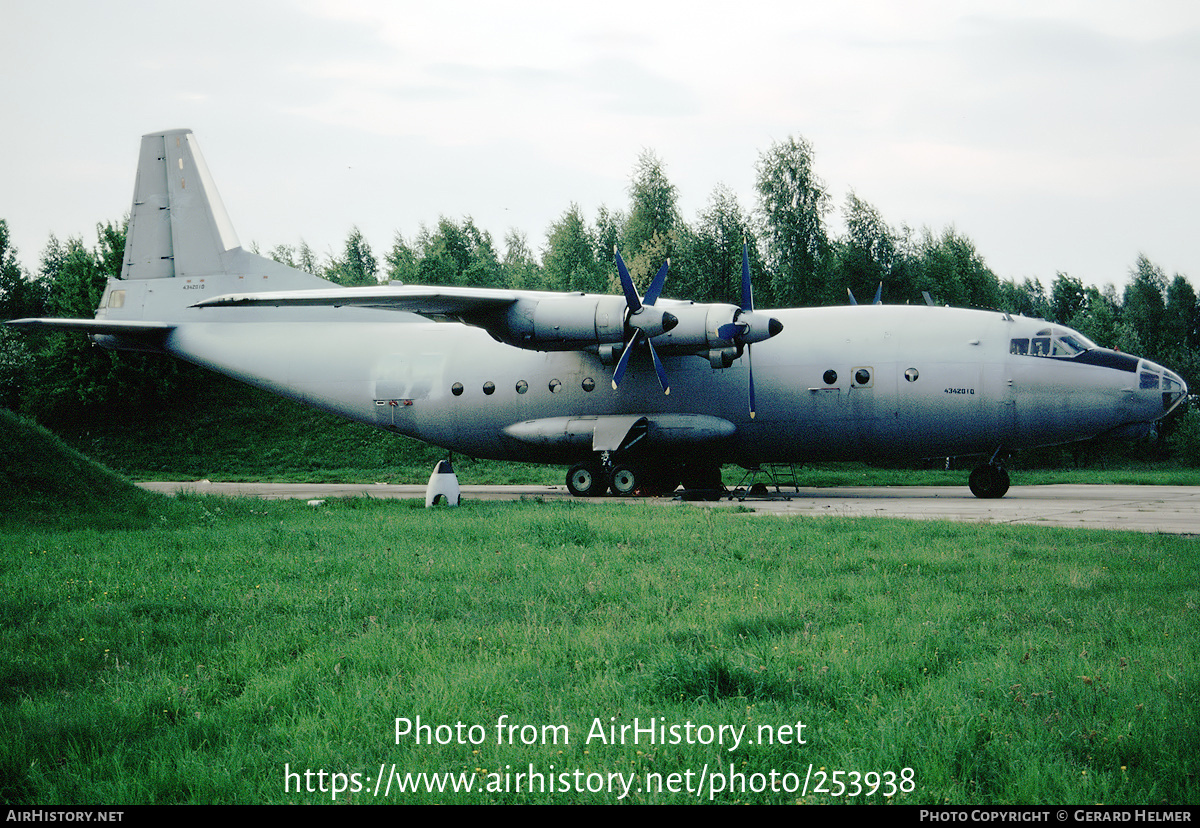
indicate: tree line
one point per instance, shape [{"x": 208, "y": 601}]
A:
[{"x": 795, "y": 260}]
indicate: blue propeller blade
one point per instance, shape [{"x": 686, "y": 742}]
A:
[
  {"x": 631, "y": 297},
  {"x": 656, "y": 285},
  {"x": 750, "y": 375},
  {"x": 732, "y": 330},
  {"x": 748, "y": 305},
  {"x": 635, "y": 306},
  {"x": 624, "y": 361},
  {"x": 658, "y": 368},
  {"x": 747, "y": 294}
]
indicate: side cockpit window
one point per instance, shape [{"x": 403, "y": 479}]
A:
[{"x": 1051, "y": 343}]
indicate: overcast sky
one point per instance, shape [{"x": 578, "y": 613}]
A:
[{"x": 1057, "y": 135}]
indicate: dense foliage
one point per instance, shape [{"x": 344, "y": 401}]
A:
[{"x": 795, "y": 261}]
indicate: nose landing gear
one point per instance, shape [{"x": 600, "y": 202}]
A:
[{"x": 990, "y": 481}]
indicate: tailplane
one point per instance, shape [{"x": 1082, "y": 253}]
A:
[
  {"x": 178, "y": 227},
  {"x": 180, "y": 249}
]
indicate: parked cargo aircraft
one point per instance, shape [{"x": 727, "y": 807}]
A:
[{"x": 635, "y": 393}]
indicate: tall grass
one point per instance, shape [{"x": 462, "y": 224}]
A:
[{"x": 205, "y": 654}]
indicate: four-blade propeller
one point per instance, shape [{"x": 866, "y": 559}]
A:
[
  {"x": 742, "y": 331},
  {"x": 645, "y": 321}
]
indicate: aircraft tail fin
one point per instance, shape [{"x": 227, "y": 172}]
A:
[
  {"x": 181, "y": 245},
  {"x": 178, "y": 225}
]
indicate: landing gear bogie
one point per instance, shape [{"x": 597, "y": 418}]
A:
[{"x": 592, "y": 478}]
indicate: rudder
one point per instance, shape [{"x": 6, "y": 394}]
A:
[{"x": 178, "y": 225}]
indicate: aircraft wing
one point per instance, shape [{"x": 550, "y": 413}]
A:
[{"x": 418, "y": 299}]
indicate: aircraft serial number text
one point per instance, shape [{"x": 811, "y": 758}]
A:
[{"x": 960, "y": 390}]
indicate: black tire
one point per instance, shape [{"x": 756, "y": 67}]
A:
[
  {"x": 624, "y": 479},
  {"x": 587, "y": 480},
  {"x": 989, "y": 482}
]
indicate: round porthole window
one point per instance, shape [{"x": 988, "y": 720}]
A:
[
  {"x": 830, "y": 377},
  {"x": 911, "y": 374},
  {"x": 862, "y": 376},
  {"x": 589, "y": 385},
  {"x": 522, "y": 386},
  {"x": 489, "y": 388},
  {"x": 555, "y": 386},
  {"x": 456, "y": 389}
]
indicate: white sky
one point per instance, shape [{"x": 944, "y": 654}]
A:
[{"x": 1059, "y": 135}]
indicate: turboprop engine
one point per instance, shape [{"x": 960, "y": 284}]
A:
[{"x": 569, "y": 323}]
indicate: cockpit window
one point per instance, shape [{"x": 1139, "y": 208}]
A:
[
  {"x": 1051, "y": 343},
  {"x": 1077, "y": 341}
]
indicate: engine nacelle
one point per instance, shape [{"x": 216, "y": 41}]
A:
[
  {"x": 714, "y": 327},
  {"x": 561, "y": 323},
  {"x": 568, "y": 323},
  {"x": 555, "y": 322},
  {"x": 698, "y": 328}
]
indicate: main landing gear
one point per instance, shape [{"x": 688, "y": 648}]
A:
[{"x": 629, "y": 478}]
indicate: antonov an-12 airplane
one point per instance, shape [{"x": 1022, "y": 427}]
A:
[{"x": 636, "y": 394}]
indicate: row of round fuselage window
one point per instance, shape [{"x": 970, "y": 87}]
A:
[
  {"x": 522, "y": 387},
  {"x": 862, "y": 376}
]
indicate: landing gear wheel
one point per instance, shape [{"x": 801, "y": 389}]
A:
[
  {"x": 989, "y": 482},
  {"x": 587, "y": 480},
  {"x": 624, "y": 479}
]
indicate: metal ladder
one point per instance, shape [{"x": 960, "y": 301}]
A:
[{"x": 778, "y": 474}]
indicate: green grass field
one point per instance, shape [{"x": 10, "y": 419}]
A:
[
  {"x": 201, "y": 656},
  {"x": 208, "y": 650}
]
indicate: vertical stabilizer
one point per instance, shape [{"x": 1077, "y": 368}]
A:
[{"x": 178, "y": 225}]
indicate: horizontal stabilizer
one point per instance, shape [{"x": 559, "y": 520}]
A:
[
  {"x": 426, "y": 301},
  {"x": 94, "y": 326}
]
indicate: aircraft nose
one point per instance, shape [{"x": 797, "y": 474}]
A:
[{"x": 1174, "y": 390}]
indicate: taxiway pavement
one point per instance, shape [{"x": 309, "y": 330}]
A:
[{"x": 1168, "y": 509}]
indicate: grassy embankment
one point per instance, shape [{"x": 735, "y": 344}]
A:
[{"x": 192, "y": 650}]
